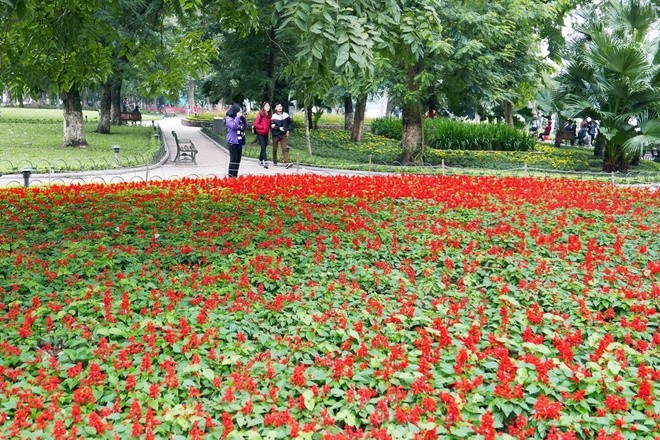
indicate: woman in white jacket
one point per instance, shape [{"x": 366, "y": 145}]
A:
[{"x": 280, "y": 126}]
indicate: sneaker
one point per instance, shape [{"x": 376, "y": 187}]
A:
[
  {"x": 289, "y": 165},
  {"x": 265, "y": 165}
]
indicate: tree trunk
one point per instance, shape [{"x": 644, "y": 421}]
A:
[
  {"x": 389, "y": 108},
  {"x": 432, "y": 107},
  {"x": 412, "y": 132},
  {"x": 348, "y": 112},
  {"x": 105, "y": 115},
  {"x": 84, "y": 96},
  {"x": 358, "y": 120},
  {"x": 74, "y": 130},
  {"x": 614, "y": 159},
  {"x": 507, "y": 109},
  {"x": 191, "y": 94},
  {"x": 116, "y": 101},
  {"x": 308, "y": 112},
  {"x": 309, "y": 115},
  {"x": 599, "y": 145},
  {"x": 273, "y": 55}
]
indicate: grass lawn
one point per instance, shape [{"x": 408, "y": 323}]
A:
[{"x": 33, "y": 137}]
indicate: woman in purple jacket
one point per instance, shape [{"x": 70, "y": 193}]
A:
[{"x": 235, "y": 124}]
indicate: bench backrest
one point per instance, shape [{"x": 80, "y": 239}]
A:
[{"x": 131, "y": 116}]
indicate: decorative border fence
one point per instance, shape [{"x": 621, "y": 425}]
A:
[
  {"x": 56, "y": 171},
  {"x": 62, "y": 166}
]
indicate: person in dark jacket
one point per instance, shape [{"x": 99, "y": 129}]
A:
[
  {"x": 235, "y": 123},
  {"x": 261, "y": 129},
  {"x": 280, "y": 127}
]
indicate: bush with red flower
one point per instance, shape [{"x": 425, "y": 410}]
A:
[{"x": 330, "y": 307}]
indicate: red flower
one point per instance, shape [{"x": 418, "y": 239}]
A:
[
  {"x": 83, "y": 395},
  {"x": 130, "y": 382},
  {"x": 616, "y": 403},
  {"x": 486, "y": 428},
  {"x": 645, "y": 392},
  {"x": 544, "y": 409},
  {"x": 298, "y": 377}
]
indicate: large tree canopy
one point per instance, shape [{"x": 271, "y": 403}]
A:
[{"x": 55, "y": 47}]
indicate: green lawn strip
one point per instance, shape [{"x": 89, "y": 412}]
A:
[
  {"x": 332, "y": 149},
  {"x": 33, "y": 138}
]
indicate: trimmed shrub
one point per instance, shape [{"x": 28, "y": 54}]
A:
[
  {"x": 388, "y": 127},
  {"x": 445, "y": 134}
]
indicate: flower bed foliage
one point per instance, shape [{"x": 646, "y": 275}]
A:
[
  {"x": 445, "y": 134},
  {"x": 545, "y": 157},
  {"x": 399, "y": 307}
]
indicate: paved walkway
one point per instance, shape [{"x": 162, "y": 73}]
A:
[{"x": 212, "y": 161}]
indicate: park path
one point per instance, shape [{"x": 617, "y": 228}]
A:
[{"x": 212, "y": 161}]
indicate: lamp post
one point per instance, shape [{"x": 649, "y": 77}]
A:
[
  {"x": 26, "y": 172},
  {"x": 116, "y": 148}
]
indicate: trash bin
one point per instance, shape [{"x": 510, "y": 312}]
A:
[{"x": 218, "y": 125}]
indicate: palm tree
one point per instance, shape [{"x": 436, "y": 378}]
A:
[{"x": 613, "y": 74}]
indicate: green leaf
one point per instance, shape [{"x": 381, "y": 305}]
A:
[
  {"x": 614, "y": 367},
  {"x": 536, "y": 347},
  {"x": 208, "y": 374},
  {"x": 309, "y": 399}
]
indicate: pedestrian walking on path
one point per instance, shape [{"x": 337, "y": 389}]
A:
[
  {"x": 280, "y": 127},
  {"x": 261, "y": 130}
]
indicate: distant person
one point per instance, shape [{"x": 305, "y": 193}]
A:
[
  {"x": 280, "y": 127},
  {"x": 569, "y": 130},
  {"x": 583, "y": 137},
  {"x": 135, "y": 109},
  {"x": 592, "y": 129},
  {"x": 235, "y": 130},
  {"x": 546, "y": 131},
  {"x": 261, "y": 129},
  {"x": 124, "y": 105}
]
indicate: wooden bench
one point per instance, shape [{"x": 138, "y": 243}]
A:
[
  {"x": 185, "y": 149},
  {"x": 168, "y": 113},
  {"x": 561, "y": 136},
  {"x": 132, "y": 116}
]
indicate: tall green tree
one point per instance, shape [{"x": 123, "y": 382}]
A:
[
  {"x": 614, "y": 75},
  {"x": 412, "y": 48},
  {"x": 499, "y": 54},
  {"x": 349, "y": 38},
  {"x": 54, "y": 47}
]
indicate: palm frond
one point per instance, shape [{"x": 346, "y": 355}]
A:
[
  {"x": 635, "y": 16},
  {"x": 617, "y": 56}
]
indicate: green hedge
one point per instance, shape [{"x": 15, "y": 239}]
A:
[
  {"x": 445, "y": 134},
  {"x": 388, "y": 127}
]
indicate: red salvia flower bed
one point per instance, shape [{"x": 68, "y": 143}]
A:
[{"x": 330, "y": 308}]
